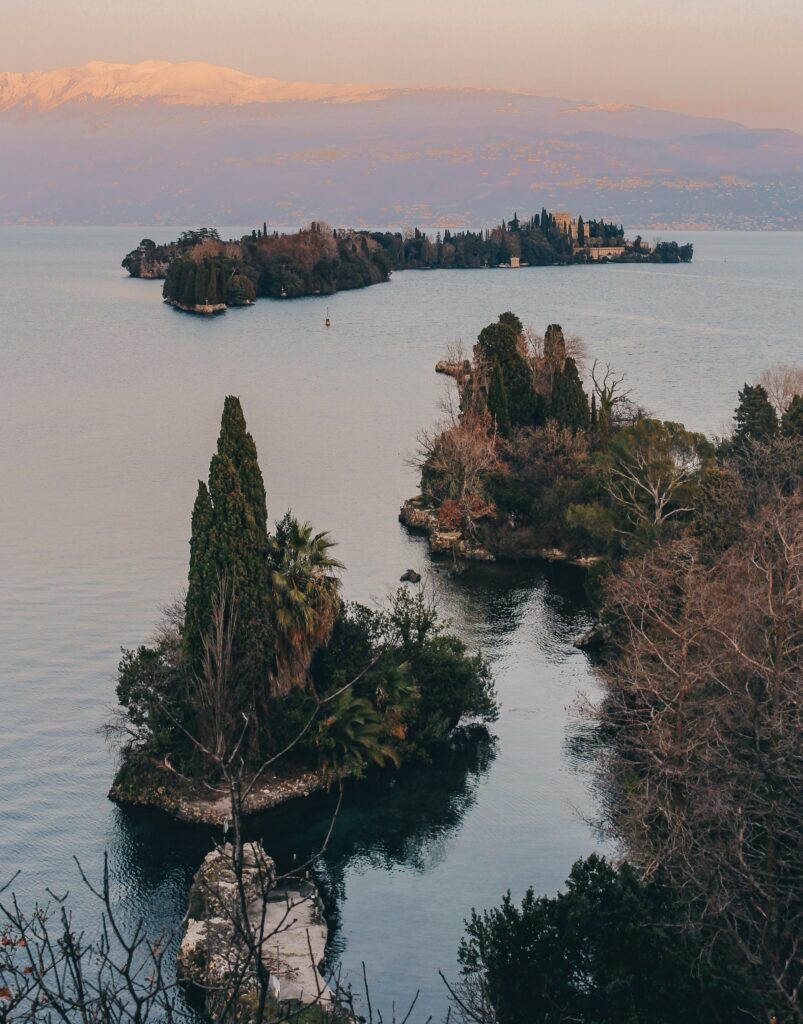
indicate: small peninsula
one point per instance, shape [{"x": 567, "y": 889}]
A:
[
  {"x": 541, "y": 455},
  {"x": 206, "y": 275}
]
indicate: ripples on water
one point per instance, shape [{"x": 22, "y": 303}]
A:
[{"x": 110, "y": 405}]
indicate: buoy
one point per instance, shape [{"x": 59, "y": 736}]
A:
[{"x": 327, "y": 321}]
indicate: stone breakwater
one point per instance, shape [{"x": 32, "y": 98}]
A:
[{"x": 287, "y": 927}]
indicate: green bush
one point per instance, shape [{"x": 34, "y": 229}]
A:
[{"x": 609, "y": 950}]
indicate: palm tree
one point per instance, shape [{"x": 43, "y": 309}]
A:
[
  {"x": 304, "y": 598},
  {"x": 355, "y": 734}
]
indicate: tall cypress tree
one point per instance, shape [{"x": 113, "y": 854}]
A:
[
  {"x": 187, "y": 296},
  {"x": 497, "y": 401},
  {"x": 202, "y": 283},
  {"x": 230, "y": 538},
  {"x": 211, "y": 290},
  {"x": 498, "y": 343},
  {"x": 568, "y": 403},
  {"x": 202, "y": 576}
]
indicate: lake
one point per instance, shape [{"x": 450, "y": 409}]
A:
[{"x": 110, "y": 405}]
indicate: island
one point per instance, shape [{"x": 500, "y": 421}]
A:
[
  {"x": 264, "y": 665},
  {"x": 204, "y": 274}
]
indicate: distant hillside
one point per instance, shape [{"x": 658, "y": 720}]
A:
[{"x": 193, "y": 143}]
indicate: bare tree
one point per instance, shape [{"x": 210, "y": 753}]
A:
[
  {"x": 613, "y": 398},
  {"x": 704, "y": 705},
  {"x": 651, "y": 469},
  {"x": 782, "y": 382}
]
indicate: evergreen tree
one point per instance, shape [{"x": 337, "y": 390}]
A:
[
  {"x": 568, "y": 403},
  {"x": 201, "y": 283},
  {"x": 609, "y": 950},
  {"x": 202, "y": 575},
  {"x": 497, "y": 401},
  {"x": 187, "y": 296},
  {"x": 792, "y": 419},
  {"x": 581, "y": 232},
  {"x": 230, "y": 539},
  {"x": 498, "y": 343},
  {"x": 211, "y": 291},
  {"x": 512, "y": 321},
  {"x": 755, "y": 417},
  {"x": 554, "y": 348},
  {"x": 264, "y": 229},
  {"x": 593, "y": 421}
]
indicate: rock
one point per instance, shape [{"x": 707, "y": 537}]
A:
[
  {"x": 460, "y": 371},
  {"x": 593, "y": 637},
  {"x": 415, "y": 516},
  {"x": 293, "y": 936},
  {"x": 411, "y": 576},
  {"x": 204, "y": 309}
]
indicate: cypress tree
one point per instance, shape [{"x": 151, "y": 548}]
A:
[
  {"x": 581, "y": 232},
  {"x": 211, "y": 291},
  {"x": 792, "y": 419},
  {"x": 230, "y": 537},
  {"x": 755, "y": 417},
  {"x": 187, "y": 297},
  {"x": 593, "y": 422},
  {"x": 201, "y": 283},
  {"x": 202, "y": 576},
  {"x": 554, "y": 348},
  {"x": 497, "y": 343},
  {"x": 264, "y": 229},
  {"x": 568, "y": 403},
  {"x": 497, "y": 401}
]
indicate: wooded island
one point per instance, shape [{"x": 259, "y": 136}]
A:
[{"x": 204, "y": 274}]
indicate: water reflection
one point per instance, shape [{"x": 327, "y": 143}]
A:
[{"x": 389, "y": 819}]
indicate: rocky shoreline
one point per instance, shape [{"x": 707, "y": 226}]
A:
[
  {"x": 205, "y": 309},
  {"x": 158, "y": 787},
  {"x": 506, "y": 541}
]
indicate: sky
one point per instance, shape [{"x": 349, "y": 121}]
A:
[{"x": 730, "y": 58}]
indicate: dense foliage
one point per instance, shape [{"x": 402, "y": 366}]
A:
[
  {"x": 703, "y": 711},
  {"x": 609, "y": 950},
  {"x": 701, "y": 591},
  {"x": 527, "y": 463},
  {"x": 201, "y": 270},
  {"x": 264, "y": 638}
]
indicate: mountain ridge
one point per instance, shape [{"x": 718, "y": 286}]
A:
[{"x": 194, "y": 143}]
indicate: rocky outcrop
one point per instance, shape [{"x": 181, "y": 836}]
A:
[
  {"x": 287, "y": 925},
  {"x": 416, "y": 515},
  {"x": 205, "y": 309},
  {"x": 459, "y": 370},
  {"x": 500, "y": 540},
  {"x": 149, "y": 260},
  {"x": 594, "y": 637}
]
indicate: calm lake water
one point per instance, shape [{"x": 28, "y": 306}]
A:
[{"x": 110, "y": 405}]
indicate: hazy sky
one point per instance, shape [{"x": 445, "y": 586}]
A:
[{"x": 738, "y": 59}]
